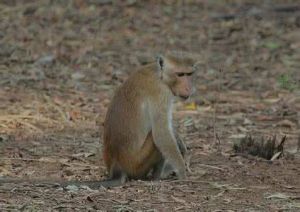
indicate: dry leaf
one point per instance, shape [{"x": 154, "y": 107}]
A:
[
  {"x": 287, "y": 123},
  {"x": 190, "y": 106},
  {"x": 83, "y": 154},
  {"x": 178, "y": 199},
  {"x": 74, "y": 115},
  {"x": 237, "y": 136},
  {"x": 278, "y": 196}
]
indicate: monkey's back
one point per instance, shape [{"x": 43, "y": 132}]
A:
[{"x": 127, "y": 123}]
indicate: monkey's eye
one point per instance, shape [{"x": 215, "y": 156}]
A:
[
  {"x": 180, "y": 74},
  {"x": 189, "y": 74}
]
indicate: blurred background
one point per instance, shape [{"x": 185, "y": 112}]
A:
[{"x": 61, "y": 61}]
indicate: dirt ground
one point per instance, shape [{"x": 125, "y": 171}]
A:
[{"x": 60, "y": 62}]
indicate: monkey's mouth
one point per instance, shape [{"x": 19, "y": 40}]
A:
[{"x": 184, "y": 97}]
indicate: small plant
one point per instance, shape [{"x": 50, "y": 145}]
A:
[
  {"x": 265, "y": 148},
  {"x": 285, "y": 81}
]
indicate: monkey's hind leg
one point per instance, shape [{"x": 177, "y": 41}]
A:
[{"x": 117, "y": 176}]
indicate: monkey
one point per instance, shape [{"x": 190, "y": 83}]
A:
[{"x": 138, "y": 135}]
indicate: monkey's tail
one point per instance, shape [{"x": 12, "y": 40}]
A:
[{"x": 64, "y": 185}]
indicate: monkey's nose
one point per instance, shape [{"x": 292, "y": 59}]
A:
[{"x": 189, "y": 90}]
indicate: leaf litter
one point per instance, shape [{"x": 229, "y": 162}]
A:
[{"x": 61, "y": 61}]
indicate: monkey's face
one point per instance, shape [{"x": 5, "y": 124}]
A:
[
  {"x": 183, "y": 85},
  {"x": 177, "y": 75}
]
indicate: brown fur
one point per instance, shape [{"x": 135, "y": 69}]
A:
[{"x": 138, "y": 134}]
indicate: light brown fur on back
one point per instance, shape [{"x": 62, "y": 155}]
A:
[{"x": 138, "y": 134}]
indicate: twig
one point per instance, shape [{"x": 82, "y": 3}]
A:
[
  {"x": 30, "y": 126},
  {"x": 216, "y": 137},
  {"x": 188, "y": 164},
  {"x": 280, "y": 146},
  {"x": 276, "y": 156},
  {"x": 210, "y": 166},
  {"x": 3, "y": 125}
]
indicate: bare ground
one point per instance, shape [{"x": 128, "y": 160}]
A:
[{"x": 60, "y": 62}]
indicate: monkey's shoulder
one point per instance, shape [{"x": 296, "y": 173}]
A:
[{"x": 145, "y": 79}]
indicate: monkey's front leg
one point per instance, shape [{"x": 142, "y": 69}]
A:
[{"x": 164, "y": 169}]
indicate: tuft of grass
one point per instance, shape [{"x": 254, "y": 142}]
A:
[
  {"x": 272, "y": 45},
  {"x": 265, "y": 148},
  {"x": 286, "y": 82}
]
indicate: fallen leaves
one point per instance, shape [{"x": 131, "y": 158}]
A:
[
  {"x": 287, "y": 123},
  {"x": 190, "y": 106},
  {"x": 281, "y": 196},
  {"x": 60, "y": 62}
]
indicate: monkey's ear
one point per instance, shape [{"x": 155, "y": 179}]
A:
[{"x": 160, "y": 62}]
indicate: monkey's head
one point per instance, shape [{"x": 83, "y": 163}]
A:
[{"x": 177, "y": 73}]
